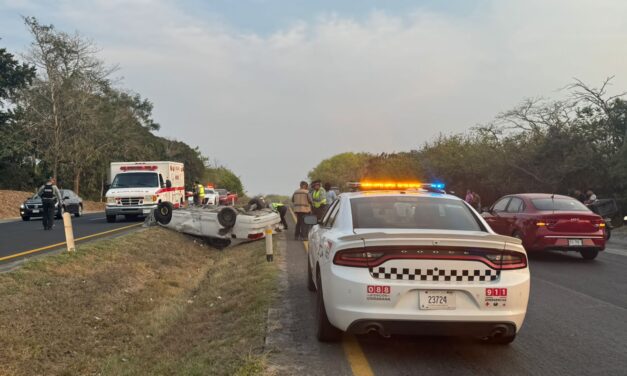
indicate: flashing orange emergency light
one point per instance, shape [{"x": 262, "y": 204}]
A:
[{"x": 367, "y": 185}]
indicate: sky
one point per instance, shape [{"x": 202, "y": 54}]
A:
[{"x": 270, "y": 88}]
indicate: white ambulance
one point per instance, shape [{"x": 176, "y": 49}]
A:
[{"x": 137, "y": 187}]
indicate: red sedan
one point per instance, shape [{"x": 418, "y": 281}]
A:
[{"x": 545, "y": 221}]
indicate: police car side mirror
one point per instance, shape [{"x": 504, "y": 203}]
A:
[
  {"x": 310, "y": 220},
  {"x": 168, "y": 184}
]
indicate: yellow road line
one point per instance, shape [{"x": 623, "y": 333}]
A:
[
  {"x": 355, "y": 356},
  {"x": 60, "y": 244}
]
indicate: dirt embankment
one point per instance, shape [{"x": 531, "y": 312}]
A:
[
  {"x": 154, "y": 302},
  {"x": 10, "y": 203}
]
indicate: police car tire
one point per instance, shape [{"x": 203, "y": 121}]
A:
[
  {"x": 311, "y": 286},
  {"x": 227, "y": 217},
  {"x": 325, "y": 332},
  {"x": 163, "y": 213}
]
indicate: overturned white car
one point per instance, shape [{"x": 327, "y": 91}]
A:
[{"x": 221, "y": 225}]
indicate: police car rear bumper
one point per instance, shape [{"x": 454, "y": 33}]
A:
[{"x": 129, "y": 210}]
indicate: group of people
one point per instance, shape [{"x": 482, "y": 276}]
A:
[{"x": 314, "y": 200}]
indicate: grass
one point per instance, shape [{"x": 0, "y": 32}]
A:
[{"x": 150, "y": 303}]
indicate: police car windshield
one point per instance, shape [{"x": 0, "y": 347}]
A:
[
  {"x": 413, "y": 213},
  {"x": 136, "y": 180}
]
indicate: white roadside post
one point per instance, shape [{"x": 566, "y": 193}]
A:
[
  {"x": 69, "y": 233},
  {"x": 269, "y": 251}
]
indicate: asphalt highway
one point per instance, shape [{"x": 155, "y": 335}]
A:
[
  {"x": 19, "y": 239},
  {"x": 576, "y": 324}
]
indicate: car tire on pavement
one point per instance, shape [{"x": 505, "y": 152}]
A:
[
  {"x": 310, "y": 283},
  {"x": 59, "y": 213},
  {"x": 589, "y": 254},
  {"x": 501, "y": 340},
  {"x": 79, "y": 212},
  {"x": 111, "y": 218},
  {"x": 326, "y": 332},
  {"x": 26, "y": 218}
]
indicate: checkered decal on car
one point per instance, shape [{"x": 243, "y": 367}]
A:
[{"x": 435, "y": 274}]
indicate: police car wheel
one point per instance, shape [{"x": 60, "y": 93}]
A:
[{"x": 326, "y": 332}]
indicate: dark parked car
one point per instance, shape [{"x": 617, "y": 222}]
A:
[
  {"x": 546, "y": 221},
  {"x": 72, "y": 204}
]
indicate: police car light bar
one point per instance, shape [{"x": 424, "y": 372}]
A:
[{"x": 394, "y": 185}]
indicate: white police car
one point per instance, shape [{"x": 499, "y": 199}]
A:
[{"x": 406, "y": 258}]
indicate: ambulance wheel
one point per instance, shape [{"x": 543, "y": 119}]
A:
[
  {"x": 227, "y": 217},
  {"x": 111, "y": 218},
  {"x": 163, "y": 213}
]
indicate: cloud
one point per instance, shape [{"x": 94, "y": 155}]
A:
[{"x": 272, "y": 106}]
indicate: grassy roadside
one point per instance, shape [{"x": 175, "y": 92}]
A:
[{"x": 154, "y": 302}]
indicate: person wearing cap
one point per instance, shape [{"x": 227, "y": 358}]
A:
[
  {"x": 319, "y": 199},
  {"x": 302, "y": 203},
  {"x": 50, "y": 198}
]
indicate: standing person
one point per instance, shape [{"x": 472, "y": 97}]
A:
[
  {"x": 579, "y": 196},
  {"x": 282, "y": 210},
  {"x": 50, "y": 197},
  {"x": 469, "y": 196},
  {"x": 319, "y": 199},
  {"x": 302, "y": 206},
  {"x": 200, "y": 190},
  {"x": 590, "y": 197},
  {"x": 476, "y": 201},
  {"x": 331, "y": 195}
]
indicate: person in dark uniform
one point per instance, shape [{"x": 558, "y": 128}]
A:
[
  {"x": 282, "y": 210},
  {"x": 50, "y": 196}
]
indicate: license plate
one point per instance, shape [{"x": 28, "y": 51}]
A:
[
  {"x": 575, "y": 242},
  {"x": 35, "y": 210},
  {"x": 437, "y": 299}
]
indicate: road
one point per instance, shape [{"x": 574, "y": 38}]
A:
[
  {"x": 20, "y": 239},
  {"x": 576, "y": 325}
]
